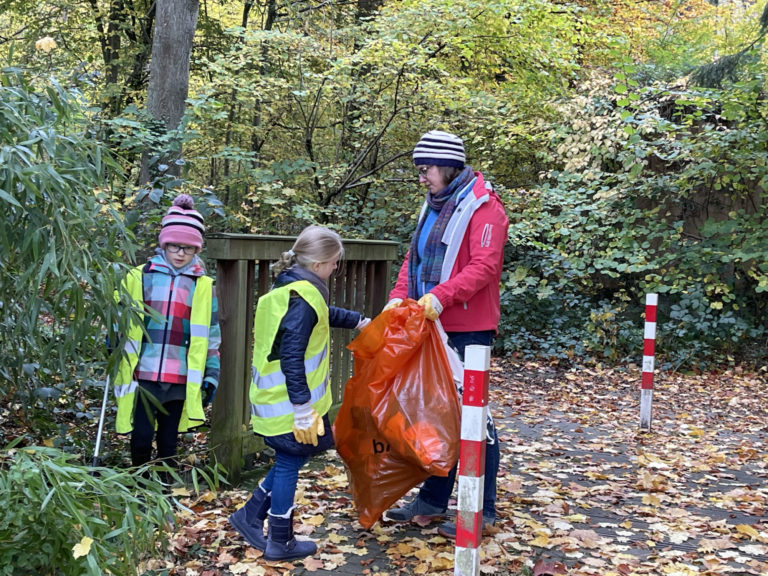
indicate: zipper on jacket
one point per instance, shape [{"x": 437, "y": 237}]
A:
[{"x": 165, "y": 332}]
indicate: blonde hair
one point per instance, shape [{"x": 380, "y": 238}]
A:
[{"x": 314, "y": 244}]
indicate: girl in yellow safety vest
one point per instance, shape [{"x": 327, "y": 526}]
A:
[
  {"x": 290, "y": 391},
  {"x": 170, "y": 367}
]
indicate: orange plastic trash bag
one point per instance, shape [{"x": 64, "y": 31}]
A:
[{"x": 399, "y": 420}]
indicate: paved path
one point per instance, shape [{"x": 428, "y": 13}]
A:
[{"x": 580, "y": 485}]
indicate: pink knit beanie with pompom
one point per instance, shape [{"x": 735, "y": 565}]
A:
[{"x": 182, "y": 224}]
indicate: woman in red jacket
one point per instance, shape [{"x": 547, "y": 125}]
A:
[{"x": 453, "y": 268}]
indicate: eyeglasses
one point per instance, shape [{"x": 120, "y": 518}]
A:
[
  {"x": 176, "y": 248},
  {"x": 423, "y": 170}
]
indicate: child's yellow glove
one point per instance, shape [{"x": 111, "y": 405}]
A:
[
  {"x": 432, "y": 306},
  {"x": 307, "y": 424}
]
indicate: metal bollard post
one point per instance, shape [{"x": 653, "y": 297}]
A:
[
  {"x": 474, "y": 409},
  {"x": 649, "y": 345}
]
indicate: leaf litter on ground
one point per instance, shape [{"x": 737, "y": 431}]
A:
[{"x": 581, "y": 489}]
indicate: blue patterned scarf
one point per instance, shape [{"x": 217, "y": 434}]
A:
[{"x": 443, "y": 202}]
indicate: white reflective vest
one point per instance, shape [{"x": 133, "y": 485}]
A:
[
  {"x": 271, "y": 408},
  {"x": 126, "y": 384}
]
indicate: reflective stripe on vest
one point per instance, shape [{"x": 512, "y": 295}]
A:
[
  {"x": 271, "y": 408},
  {"x": 285, "y": 407},
  {"x": 197, "y": 354},
  {"x": 277, "y": 378}
]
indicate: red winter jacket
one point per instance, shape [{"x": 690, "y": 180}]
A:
[{"x": 469, "y": 285}]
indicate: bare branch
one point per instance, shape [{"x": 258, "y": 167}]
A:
[
  {"x": 14, "y": 36},
  {"x": 360, "y": 180}
]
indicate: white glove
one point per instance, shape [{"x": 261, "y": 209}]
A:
[
  {"x": 307, "y": 424},
  {"x": 394, "y": 303},
  {"x": 362, "y": 323}
]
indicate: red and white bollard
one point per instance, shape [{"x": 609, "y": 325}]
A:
[
  {"x": 649, "y": 345},
  {"x": 474, "y": 411}
]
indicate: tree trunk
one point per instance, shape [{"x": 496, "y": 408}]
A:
[
  {"x": 175, "y": 24},
  {"x": 349, "y": 135}
]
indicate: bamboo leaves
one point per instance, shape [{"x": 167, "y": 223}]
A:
[{"x": 57, "y": 242}]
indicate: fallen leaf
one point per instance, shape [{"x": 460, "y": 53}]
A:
[
  {"x": 714, "y": 544},
  {"x": 248, "y": 569},
  {"x": 82, "y": 548},
  {"x": 545, "y": 568},
  {"x": 541, "y": 541},
  {"x": 678, "y": 536},
  {"x": 747, "y": 530},
  {"x": 587, "y": 538},
  {"x": 311, "y": 563},
  {"x": 315, "y": 520},
  {"x": 651, "y": 500}
]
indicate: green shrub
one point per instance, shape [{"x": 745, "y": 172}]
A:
[
  {"x": 697, "y": 330},
  {"x": 661, "y": 193},
  {"x": 59, "y": 237},
  {"x": 51, "y": 505}
]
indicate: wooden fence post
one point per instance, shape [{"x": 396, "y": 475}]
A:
[{"x": 236, "y": 320}]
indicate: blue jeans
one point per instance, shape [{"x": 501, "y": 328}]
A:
[
  {"x": 437, "y": 490},
  {"x": 282, "y": 479}
]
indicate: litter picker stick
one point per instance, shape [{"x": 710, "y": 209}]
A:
[
  {"x": 474, "y": 411},
  {"x": 101, "y": 423}
]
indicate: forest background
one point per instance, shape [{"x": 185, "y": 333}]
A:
[{"x": 627, "y": 140}]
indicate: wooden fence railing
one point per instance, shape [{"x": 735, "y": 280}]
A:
[{"x": 242, "y": 275}]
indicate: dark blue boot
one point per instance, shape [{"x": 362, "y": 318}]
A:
[
  {"x": 281, "y": 545},
  {"x": 249, "y": 520}
]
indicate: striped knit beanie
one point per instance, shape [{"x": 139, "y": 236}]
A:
[
  {"x": 182, "y": 224},
  {"x": 438, "y": 148}
]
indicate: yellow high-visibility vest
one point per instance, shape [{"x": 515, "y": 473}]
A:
[
  {"x": 271, "y": 409},
  {"x": 126, "y": 384}
]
